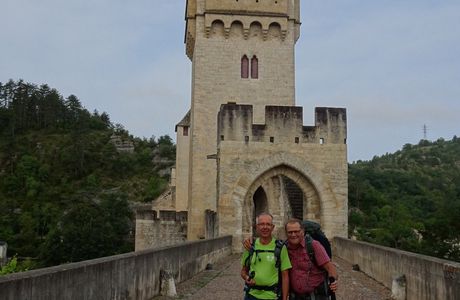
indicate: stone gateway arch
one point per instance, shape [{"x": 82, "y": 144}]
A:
[{"x": 285, "y": 172}]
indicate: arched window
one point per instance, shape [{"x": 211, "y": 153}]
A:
[
  {"x": 254, "y": 67},
  {"x": 244, "y": 67}
]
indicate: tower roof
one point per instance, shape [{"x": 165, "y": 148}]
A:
[{"x": 185, "y": 121}]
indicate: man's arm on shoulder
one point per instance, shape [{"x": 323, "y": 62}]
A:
[{"x": 247, "y": 243}]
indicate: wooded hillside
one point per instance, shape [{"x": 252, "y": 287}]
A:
[
  {"x": 65, "y": 188},
  {"x": 409, "y": 199}
]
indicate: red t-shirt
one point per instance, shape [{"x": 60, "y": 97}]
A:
[{"x": 305, "y": 276}]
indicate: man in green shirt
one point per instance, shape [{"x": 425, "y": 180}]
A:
[{"x": 260, "y": 270}]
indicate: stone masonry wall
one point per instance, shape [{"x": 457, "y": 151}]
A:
[{"x": 152, "y": 231}]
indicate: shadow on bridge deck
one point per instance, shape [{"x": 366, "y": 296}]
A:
[{"x": 224, "y": 282}]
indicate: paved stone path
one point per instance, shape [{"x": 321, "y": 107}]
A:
[{"x": 224, "y": 282}]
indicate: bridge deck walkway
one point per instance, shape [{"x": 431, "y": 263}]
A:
[{"x": 224, "y": 282}]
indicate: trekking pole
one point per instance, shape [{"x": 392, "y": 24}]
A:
[{"x": 332, "y": 294}]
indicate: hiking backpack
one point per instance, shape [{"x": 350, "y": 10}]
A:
[{"x": 313, "y": 232}]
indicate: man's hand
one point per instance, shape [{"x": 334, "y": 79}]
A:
[
  {"x": 250, "y": 281},
  {"x": 332, "y": 271},
  {"x": 333, "y": 286},
  {"x": 248, "y": 278},
  {"x": 247, "y": 242}
]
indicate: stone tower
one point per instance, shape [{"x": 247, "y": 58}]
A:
[
  {"x": 242, "y": 51},
  {"x": 243, "y": 148}
]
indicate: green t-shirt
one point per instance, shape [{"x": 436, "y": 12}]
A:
[{"x": 263, "y": 264}]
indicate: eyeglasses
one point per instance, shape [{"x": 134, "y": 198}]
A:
[
  {"x": 265, "y": 224},
  {"x": 293, "y": 232}
]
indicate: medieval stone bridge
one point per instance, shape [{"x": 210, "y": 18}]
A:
[
  {"x": 223, "y": 281},
  {"x": 137, "y": 275}
]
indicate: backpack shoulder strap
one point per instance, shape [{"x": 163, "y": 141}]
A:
[
  {"x": 251, "y": 251},
  {"x": 310, "y": 249},
  {"x": 278, "y": 246}
]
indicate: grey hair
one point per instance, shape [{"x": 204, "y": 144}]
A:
[{"x": 263, "y": 214}]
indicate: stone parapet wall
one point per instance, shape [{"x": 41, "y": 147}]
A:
[
  {"x": 426, "y": 277},
  {"x": 134, "y": 275},
  {"x": 155, "y": 230}
]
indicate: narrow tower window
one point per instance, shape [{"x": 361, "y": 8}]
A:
[
  {"x": 254, "y": 67},
  {"x": 244, "y": 67}
]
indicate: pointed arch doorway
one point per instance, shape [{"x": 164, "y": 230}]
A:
[{"x": 283, "y": 192}]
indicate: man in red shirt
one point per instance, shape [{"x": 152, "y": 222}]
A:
[{"x": 306, "y": 277}]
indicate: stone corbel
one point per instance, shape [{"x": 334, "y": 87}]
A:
[
  {"x": 283, "y": 34},
  {"x": 265, "y": 34},
  {"x": 227, "y": 32},
  {"x": 246, "y": 33},
  {"x": 208, "y": 31}
]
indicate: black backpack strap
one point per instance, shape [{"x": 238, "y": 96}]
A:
[
  {"x": 310, "y": 249},
  {"x": 279, "y": 244},
  {"x": 272, "y": 288},
  {"x": 311, "y": 254},
  {"x": 251, "y": 251},
  {"x": 278, "y": 247}
]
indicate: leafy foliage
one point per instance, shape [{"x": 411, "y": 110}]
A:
[
  {"x": 65, "y": 188},
  {"x": 410, "y": 199}
]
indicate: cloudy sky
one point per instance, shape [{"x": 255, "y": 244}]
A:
[{"x": 394, "y": 64}]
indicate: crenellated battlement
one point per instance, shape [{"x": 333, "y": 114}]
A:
[
  {"x": 162, "y": 215},
  {"x": 274, "y": 7},
  {"x": 283, "y": 124}
]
